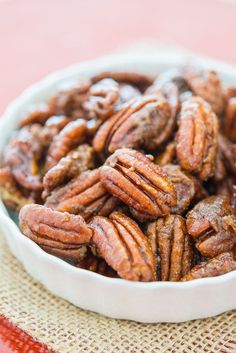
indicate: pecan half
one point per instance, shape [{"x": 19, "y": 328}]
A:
[
  {"x": 229, "y": 119},
  {"x": 124, "y": 247},
  {"x": 228, "y": 154},
  {"x": 197, "y": 138},
  {"x": 53, "y": 229},
  {"x": 213, "y": 225},
  {"x": 172, "y": 245},
  {"x": 96, "y": 264},
  {"x": 38, "y": 116},
  {"x": 144, "y": 122},
  {"x": 128, "y": 92},
  {"x": 75, "y": 162},
  {"x": 72, "y": 255},
  {"x": 23, "y": 154},
  {"x": 131, "y": 177},
  {"x": 205, "y": 84},
  {"x": 184, "y": 186},
  {"x": 68, "y": 138},
  {"x": 217, "y": 266},
  {"x": 84, "y": 195}
]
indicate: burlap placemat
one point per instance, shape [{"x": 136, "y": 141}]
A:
[{"x": 68, "y": 329}]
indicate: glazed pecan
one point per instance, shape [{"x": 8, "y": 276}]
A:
[
  {"x": 134, "y": 179},
  {"x": 205, "y": 84},
  {"x": 73, "y": 255},
  {"x": 84, "y": 195},
  {"x": 228, "y": 154},
  {"x": 75, "y": 162},
  {"x": 144, "y": 122},
  {"x": 217, "y": 266},
  {"x": 172, "y": 245},
  {"x": 184, "y": 185},
  {"x": 197, "y": 138},
  {"x": 53, "y": 229},
  {"x": 38, "y": 116},
  {"x": 103, "y": 96},
  {"x": 135, "y": 79},
  {"x": 96, "y": 264},
  {"x": 213, "y": 225},
  {"x": 168, "y": 156},
  {"x": 68, "y": 138},
  {"x": 10, "y": 192},
  {"x": 23, "y": 154},
  {"x": 229, "y": 119},
  {"x": 128, "y": 92},
  {"x": 124, "y": 247}
]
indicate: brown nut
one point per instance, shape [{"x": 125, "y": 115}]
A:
[
  {"x": 144, "y": 122},
  {"x": 53, "y": 229},
  {"x": 172, "y": 245},
  {"x": 68, "y": 138},
  {"x": 228, "y": 154},
  {"x": 184, "y": 185},
  {"x": 128, "y": 92},
  {"x": 229, "y": 119},
  {"x": 217, "y": 266},
  {"x": 197, "y": 138},
  {"x": 124, "y": 247},
  {"x": 205, "y": 84},
  {"x": 38, "y": 116},
  {"x": 168, "y": 156},
  {"x": 84, "y": 195},
  {"x": 23, "y": 154},
  {"x": 213, "y": 225},
  {"x": 70, "y": 166},
  {"x": 72, "y": 255},
  {"x": 131, "y": 177}
]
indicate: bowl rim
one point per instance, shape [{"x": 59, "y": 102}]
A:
[{"x": 76, "y": 69}]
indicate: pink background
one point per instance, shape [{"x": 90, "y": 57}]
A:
[{"x": 40, "y": 36}]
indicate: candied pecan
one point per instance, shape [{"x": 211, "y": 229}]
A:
[
  {"x": 103, "y": 96},
  {"x": 226, "y": 187},
  {"x": 69, "y": 102},
  {"x": 172, "y": 245},
  {"x": 217, "y": 266},
  {"x": 131, "y": 177},
  {"x": 75, "y": 162},
  {"x": 144, "y": 122},
  {"x": 228, "y": 153},
  {"x": 38, "y": 116},
  {"x": 68, "y": 138},
  {"x": 135, "y": 79},
  {"x": 84, "y": 195},
  {"x": 197, "y": 138},
  {"x": 72, "y": 255},
  {"x": 23, "y": 154},
  {"x": 124, "y": 247},
  {"x": 229, "y": 119},
  {"x": 128, "y": 92},
  {"x": 213, "y": 225},
  {"x": 52, "y": 228},
  {"x": 10, "y": 192},
  {"x": 205, "y": 84},
  {"x": 96, "y": 264},
  {"x": 184, "y": 186},
  {"x": 168, "y": 155}
]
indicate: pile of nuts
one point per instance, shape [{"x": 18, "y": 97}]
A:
[{"x": 130, "y": 177}]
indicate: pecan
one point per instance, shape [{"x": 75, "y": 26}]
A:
[
  {"x": 84, "y": 195},
  {"x": 131, "y": 177},
  {"x": 144, "y": 122},
  {"x": 168, "y": 155},
  {"x": 128, "y": 92},
  {"x": 72, "y": 255},
  {"x": 213, "y": 225},
  {"x": 205, "y": 84},
  {"x": 135, "y": 79},
  {"x": 103, "y": 96},
  {"x": 229, "y": 119},
  {"x": 124, "y": 247},
  {"x": 23, "y": 154},
  {"x": 184, "y": 186},
  {"x": 228, "y": 154},
  {"x": 197, "y": 138},
  {"x": 68, "y": 138},
  {"x": 10, "y": 192},
  {"x": 96, "y": 264},
  {"x": 217, "y": 266},
  {"x": 75, "y": 162},
  {"x": 53, "y": 229},
  {"x": 173, "y": 248},
  {"x": 38, "y": 116}
]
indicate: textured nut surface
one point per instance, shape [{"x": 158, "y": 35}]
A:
[
  {"x": 134, "y": 179},
  {"x": 217, "y": 266},
  {"x": 213, "y": 225},
  {"x": 54, "y": 229},
  {"x": 124, "y": 247},
  {"x": 171, "y": 244},
  {"x": 68, "y": 138},
  {"x": 72, "y": 255},
  {"x": 197, "y": 138},
  {"x": 228, "y": 154},
  {"x": 38, "y": 116},
  {"x": 84, "y": 195},
  {"x": 145, "y": 121},
  {"x": 75, "y": 162},
  {"x": 229, "y": 119},
  {"x": 168, "y": 156}
]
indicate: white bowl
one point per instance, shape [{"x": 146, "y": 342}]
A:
[{"x": 116, "y": 298}]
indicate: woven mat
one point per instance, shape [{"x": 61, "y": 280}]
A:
[{"x": 68, "y": 329}]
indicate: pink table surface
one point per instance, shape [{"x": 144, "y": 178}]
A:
[{"x": 37, "y": 37}]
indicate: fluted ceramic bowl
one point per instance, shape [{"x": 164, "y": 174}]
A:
[{"x": 116, "y": 298}]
